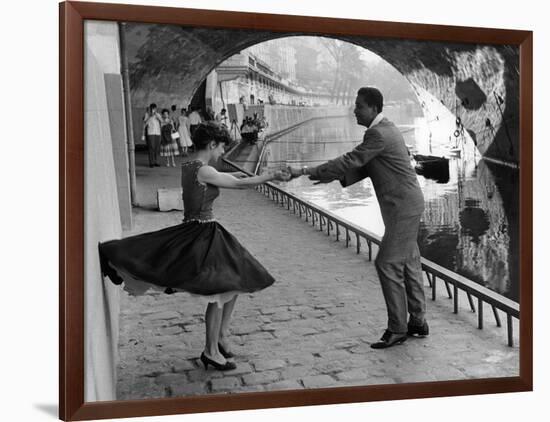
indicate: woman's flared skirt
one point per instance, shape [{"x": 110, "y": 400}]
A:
[
  {"x": 169, "y": 150},
  {"x": 201, "y": 258}
]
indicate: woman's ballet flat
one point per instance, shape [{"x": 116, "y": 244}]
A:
[
  {"x": 227, "y": 366},
  {"x": 224, "y": 352}
]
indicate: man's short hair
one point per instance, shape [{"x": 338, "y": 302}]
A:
[{"x": 372, "y": 96}]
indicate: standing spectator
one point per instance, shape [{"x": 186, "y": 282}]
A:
[
  {"x": 174, "y": 116},
  {"x": 168, "y": 145},
  {"x": 175, "y": 121},
  {"x": 194, "y": 120},
  {"x": 183, "y": 129},
  {"x": 151, "y": 130},
  {"x": 222, "y": 117}
]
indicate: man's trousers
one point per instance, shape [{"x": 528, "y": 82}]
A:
[
  {"x": 153, "y": 147},
  {"x": 400, "y": 273}
]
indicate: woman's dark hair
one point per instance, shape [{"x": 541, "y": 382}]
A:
[
  {"x": 210, "y": 131},
  {"x": 372, "y": 96},
  {"x": 165, "y": 110}
]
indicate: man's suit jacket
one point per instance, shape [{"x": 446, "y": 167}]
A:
[{"x": 383, "y": 157}]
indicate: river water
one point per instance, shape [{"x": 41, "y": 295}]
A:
[{"x": 470, "y": 224}]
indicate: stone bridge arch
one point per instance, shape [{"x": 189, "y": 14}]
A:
[{"x": 478, "y": 83}]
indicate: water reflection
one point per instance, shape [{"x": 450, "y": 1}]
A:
[
  {"x": 473, "y": 220},
  {"x": 470, "y": 224}
]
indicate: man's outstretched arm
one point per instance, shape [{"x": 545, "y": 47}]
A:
[{"x": 336, "y": 169}]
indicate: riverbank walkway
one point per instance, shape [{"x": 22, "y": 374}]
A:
[{"x": 311, "y": 329}]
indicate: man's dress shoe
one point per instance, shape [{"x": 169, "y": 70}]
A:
[
  {"x": 389, "y": 339},
  {"x": 420, "y": 330}
]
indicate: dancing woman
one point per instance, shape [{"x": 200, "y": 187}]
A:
[{"x": 198, "y": 256}]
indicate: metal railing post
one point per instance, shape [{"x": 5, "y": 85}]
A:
[{"x": 479, "y": 313}]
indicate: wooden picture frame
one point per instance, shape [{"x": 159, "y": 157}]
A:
[{"x": 71, "y": 266}]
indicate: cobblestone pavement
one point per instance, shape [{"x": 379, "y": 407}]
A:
[{"x": 311, "y": 329}]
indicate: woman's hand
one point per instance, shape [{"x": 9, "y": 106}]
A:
[
  {"x": 282, "y": 175},
  {"x": 294, "y": 171}
]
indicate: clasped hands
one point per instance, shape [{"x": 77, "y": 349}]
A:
[
  {"x": 286, "y": 174},
  {"x": 290, "y": 173},
  {"x": 298, "y": 171},
  {"x": 281, "y": 175},
  {"x": 294, "y": 171}
]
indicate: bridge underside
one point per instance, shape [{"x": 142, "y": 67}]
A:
[{"x": 478, "y": 83}]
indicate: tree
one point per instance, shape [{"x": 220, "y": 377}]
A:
[{"x": 349, "y": 69}]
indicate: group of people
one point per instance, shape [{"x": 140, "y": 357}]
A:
[
  {"x": 201, "y": 257},
  {"x": 168, "y": 133},
  {"x": 251, "y": 126},
  {"x": 253, "y": 123}
]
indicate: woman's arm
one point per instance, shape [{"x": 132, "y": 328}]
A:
[
  {"x": 237, "y": 174},
  {"x": 210, "y": 175}
]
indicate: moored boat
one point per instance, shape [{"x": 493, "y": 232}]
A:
[{"x": 432, "y": 167}]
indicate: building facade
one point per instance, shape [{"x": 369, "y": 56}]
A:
[{"x": 247, "y": 78}]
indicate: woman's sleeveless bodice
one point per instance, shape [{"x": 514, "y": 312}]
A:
[
  {"x": 198, "y": 198},
  {"x": 198, "y": 256}
]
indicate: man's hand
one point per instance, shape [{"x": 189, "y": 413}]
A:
[
  {"x": 294, "y": 171},
  {"x": 282, "y": 175}
]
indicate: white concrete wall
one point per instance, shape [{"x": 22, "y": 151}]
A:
[
  {"x": 119, "y": 141},
  {"x": 281, "y": 117},
  {"x": 102, "y": 214}
]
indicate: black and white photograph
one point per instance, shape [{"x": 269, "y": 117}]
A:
[
  {"x": 275, "y": 210},
  {"x": 272, "y": 211}
]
